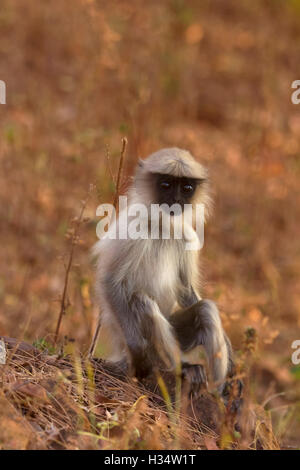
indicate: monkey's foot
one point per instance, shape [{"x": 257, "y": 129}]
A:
[
  {"x": 195, "y": 376},
  {"x": 232, "y": 394}
]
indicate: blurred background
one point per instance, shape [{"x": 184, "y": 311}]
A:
[{"x": 213, "y": 77}]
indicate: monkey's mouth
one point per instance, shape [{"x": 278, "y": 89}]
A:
[{"x": 177, "y": 211}]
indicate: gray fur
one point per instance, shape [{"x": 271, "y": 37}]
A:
[{"x": 140, "y": 283}]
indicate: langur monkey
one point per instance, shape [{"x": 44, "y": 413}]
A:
[{"x": 147, "y": 288}]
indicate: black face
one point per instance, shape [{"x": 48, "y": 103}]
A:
[{"x": 174, "y": 190}]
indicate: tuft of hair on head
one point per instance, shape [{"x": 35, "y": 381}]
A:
[{"x": 173, "y": 161}]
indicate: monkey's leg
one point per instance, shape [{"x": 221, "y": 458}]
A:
[
  {"x": 200, "y": 324},
  {"x": 145, "y": 331},
  {"x": 152, "y": 335}
]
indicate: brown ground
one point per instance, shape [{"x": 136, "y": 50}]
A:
[{"x": 212, "y": 77}]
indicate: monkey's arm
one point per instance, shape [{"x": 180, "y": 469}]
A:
[
  {"x": 186, "y": 295},
  {"x": 199, "y": 323}
]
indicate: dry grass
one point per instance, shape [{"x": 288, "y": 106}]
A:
[
  {"x": 213, "y": 77},
  {"x": 56, "y": 402}
]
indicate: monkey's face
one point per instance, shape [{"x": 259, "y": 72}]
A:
[{"x": 175, "y": 190}]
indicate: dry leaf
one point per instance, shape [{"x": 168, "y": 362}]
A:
[{"x": 194, "y": 33}]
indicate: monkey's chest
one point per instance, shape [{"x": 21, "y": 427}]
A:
[{"x": 161, "y": 281}]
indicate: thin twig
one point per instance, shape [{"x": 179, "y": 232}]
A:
[
  {"x": 121, "y": 163},
  {"x": 108, "y": 164},
  {"x": 64, "y": 302}
]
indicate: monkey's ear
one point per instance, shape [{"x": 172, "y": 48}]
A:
[{"x": 140, "y": 163}]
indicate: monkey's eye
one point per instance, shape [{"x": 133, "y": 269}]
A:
[
  {"x": 188, "y": 188},
  {"x": 165, "y": 185}
]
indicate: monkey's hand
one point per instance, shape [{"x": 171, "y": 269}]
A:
[{"x": 195, "y": 376}]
